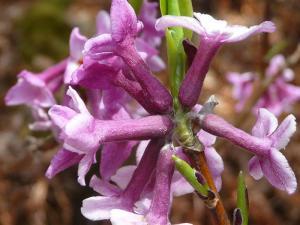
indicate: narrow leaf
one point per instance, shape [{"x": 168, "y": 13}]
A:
[
  {"x": 190, "y": 175},
  {"x": 186, "y": 9},
  {"x": 242, "y": 198}
]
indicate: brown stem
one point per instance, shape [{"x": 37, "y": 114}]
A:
[{"x": 218, "y": 211}]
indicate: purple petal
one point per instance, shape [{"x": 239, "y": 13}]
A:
[
  {"x": 113, "y": 156},
  {"x": 104, "y": 187},
  {"x": 283, "y": 133},
  {"x": 180, "y": 186},
  {"x": 122, "y": 217},
  {"x": 123, "y": 20},
  {"x": 77, "y": 42},
  {"x": 80, "y": 135},
  {"x": 255, "y": 168},
  {"x": 123, "y": 176},
  {"x": 265, "y": 124},
  {"x": 103, "y": 23},
  {"x": 239, "y": 33},
  {"x": 62, "y": 160},
  {"x": 276, "y": 63},
  {"x": 206, "y": 138},
  {"x": 29, "y": 90},
  {"x": 98, "y": 208},
  {"x": 76, "y": 102},
  {"x": 93, "y": 76},
  {"x": 99, "y": 47},
  {"x": 60, "y": 115},
  {"x": 84, "y": 166},
  {"x": 140, "y": 150},
  {"x": 215, "y": 164},
  {"x": 179, "y": 21},
  {"x": 278, "y": 172}
]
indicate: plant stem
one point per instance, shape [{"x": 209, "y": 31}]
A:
[{"x": 218, "y": 211}]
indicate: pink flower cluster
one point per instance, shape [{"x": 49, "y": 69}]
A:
[{"x": 126, "y": 108}]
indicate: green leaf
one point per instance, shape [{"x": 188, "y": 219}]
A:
[
  {"x": 189, "y": 174},
  {"x": 136, "y": 4},
  {"x": 242, "y": 198},
  {"x": 163, "y": 7},
  {"x": 186, "y": 9}
]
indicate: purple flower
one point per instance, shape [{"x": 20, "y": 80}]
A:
[
  {"x": 121, "y": 43},
  {"x": 148, "y": 15},
  {"x": 36, "y": 90},
  {"x": 82, "y": 133},
  {"x": 99, "y": 207},
  {"x": 213, "y": 33},
  {"x": 242, "y": 87},
  {"x": 76, "y": 43},
  {"x": 280, "y": 95},
  {"x": 129, "y": 175},
  {"x": 265, "y": 142}
]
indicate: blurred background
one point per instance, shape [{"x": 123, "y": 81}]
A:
[{"x": 34, "y": 35}]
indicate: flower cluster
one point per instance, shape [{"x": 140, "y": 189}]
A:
[
  {"x": 280, "y": 95},
  {"x": 126, "y": 108}
]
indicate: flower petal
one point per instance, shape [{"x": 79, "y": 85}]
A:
[
  {"x": 123, "y": 176},
  {"x": 113, "y": 155},
  {"x": 215, "y": 164},
  {"x": 60, "y": 115},
  {"x": 29, "y": 90},
  {"x": 76, "y": 102},
  {"x": 62, "y": 160},
  {"x": 180, "y": 186},
  {"x": 103, "y": 23},
  {"x": 122, "y": 217},
  {"x": 77, "y": 42},
  {"x": 239, "y": 33},
  {"x": 84, "y": 166},
  {"x": 98, "y": 208},
  {"x": 206, "y": 138},
  {"x": 255, "y": 168},
  {"x": 104, "y": 187},
  {"x": 123, "y": 20},
  {"x": 89, "y": 76},
  {"x": 99, "y": 47},
  {"x": 140, "y": 150},
  {"x": 265, "y": 124},
  {"x": 80, "y": 136},
  {"x": 278, "y": 172},
  {"x": 283, "y": 133},
  {"x": 179, "y": 21}
]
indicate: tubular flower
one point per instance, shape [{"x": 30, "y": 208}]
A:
[
  {"x": 121, "y": 43},
  {"x": 36, "y": 90},
  {"x": 266, "y": 141},
  {"x": 82, "y": 133},
  {"x": 213, "y": 34}
]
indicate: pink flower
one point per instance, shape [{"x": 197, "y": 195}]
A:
[
  {"x": 266, "y": 141},
  {"x": 280, "y": 95},
  {"x": 213, "y": 34}
]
